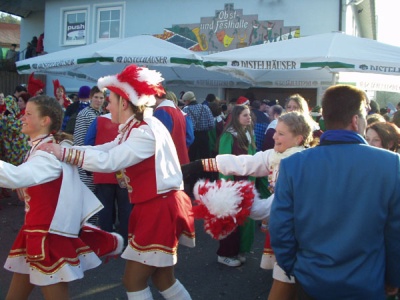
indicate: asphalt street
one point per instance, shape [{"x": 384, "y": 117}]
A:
[{"x": 197, "y": 268}]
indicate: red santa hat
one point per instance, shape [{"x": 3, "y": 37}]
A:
[
  {"x": 242, "y": 101},
  {"x": 34, "y": 85},
  {"x": 139, "y": 85},
  {"x": 223, "y": 205}
]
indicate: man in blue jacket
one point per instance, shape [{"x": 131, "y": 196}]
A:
[{"x": 335, "y": 220}]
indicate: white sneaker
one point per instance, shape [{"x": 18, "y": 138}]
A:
[
  {"x": 241, "y": 257},
  {"x": 229, "y": 261}
]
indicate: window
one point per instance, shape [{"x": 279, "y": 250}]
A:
[
  {"x": 74, "y": 32},
  {"x": 109, "y": 23}
]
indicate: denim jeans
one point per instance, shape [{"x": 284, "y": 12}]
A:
[{"x": 117, "y": 208}]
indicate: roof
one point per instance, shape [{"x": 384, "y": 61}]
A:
[
  {"x": 9, "y": 34},
  {"x": 365, "y": 13},
  {"x": 21, "y": 8}
]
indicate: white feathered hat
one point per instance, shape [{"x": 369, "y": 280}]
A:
[{"x": 136, "y": 84}]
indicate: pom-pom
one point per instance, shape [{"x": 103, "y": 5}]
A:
[{"x": 223, "y": 205}]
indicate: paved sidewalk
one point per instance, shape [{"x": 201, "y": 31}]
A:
[{"x": 197, "y": 268}]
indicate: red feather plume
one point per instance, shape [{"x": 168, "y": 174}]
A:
[
  {"x": 56, "y": 85},
  {"x": 34, "y": 85},
  {"x": 131, "y": 76}
]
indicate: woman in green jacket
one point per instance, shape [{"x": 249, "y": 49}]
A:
[{"x": 237, "y": 139}]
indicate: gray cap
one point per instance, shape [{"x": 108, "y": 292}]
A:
[{"x": 188, "y": 96}]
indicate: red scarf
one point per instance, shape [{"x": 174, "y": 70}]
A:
[
  {"x": 21, "y": 114},
  {"x": 3, "y": 108}
]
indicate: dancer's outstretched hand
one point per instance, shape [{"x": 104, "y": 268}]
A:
[{"x": 52, "y": 148}]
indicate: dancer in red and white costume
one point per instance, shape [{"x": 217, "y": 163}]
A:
[
  {"x": 146, "y": 162},
  {"x": 48, "y": 251}
]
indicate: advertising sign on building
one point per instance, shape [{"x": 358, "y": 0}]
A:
[
  {"x": 228, "y": 29},
  {"x": 75, "y": 24},
  {"x": 75, "y": 31}
]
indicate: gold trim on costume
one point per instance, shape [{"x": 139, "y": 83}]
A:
[
  {"x": 35, "y": 230},
  {"x": 76, "y": 157},
  {"x": 42, "y": 255},
  {"x": 93, "y": 212},
  {"x": 27, "y": 199},
  {"x": 61, "y": 262},
  {"x": 17, "y": 252},
  {"x": 209, "y": 165},
  {"x": 268, "y": 251},
  {"x": 68, "y": 160},
  {"x": 152, "y": 247},
  {"x": 36, "y": 261},
  {"x": 81, "y": 158},
  {"x": 191, "y": 235}
]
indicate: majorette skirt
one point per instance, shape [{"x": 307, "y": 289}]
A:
[
  {"x": 50, "y": 258},
  {"x": 157, "y": 226}
]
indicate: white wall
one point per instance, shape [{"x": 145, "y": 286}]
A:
[
  {"x": 30, "y": 27},
  {"x": 151, "y": 17}
]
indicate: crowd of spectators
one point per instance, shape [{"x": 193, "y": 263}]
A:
[{"x": 14, "y": 53}]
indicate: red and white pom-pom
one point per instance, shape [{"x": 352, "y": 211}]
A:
[
  {"x": 223, "y": 205},
  {"x": 136, "y": 84}
]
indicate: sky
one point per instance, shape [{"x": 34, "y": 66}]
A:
[{"x": 388, "y": 21}]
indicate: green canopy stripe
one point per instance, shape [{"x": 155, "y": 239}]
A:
[
  {"x": 322, "y": 64},
  {"x": 348, "y": 83},
  {"x": 208, "y": 64},
  {"x": 185, "y": 61},
  {"x": 24, "y": 67},
  {"x": 90, "y": 60}
]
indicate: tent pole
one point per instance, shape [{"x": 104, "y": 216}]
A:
[{"x": 335, "y": 76}]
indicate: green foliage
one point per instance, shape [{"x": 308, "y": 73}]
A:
[
  {"x": 7, "y": 18},
  {"x": 3, "y": 52}
]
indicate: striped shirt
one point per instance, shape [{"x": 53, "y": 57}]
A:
[
  {"x": 83, "y": 120},
  {"x": 85, "y": 117}
]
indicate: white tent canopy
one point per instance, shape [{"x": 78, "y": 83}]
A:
[
  {"x": 177, "y": 64},
  {"x": 308, "y": 62},
  {"x": 312, "y": 57},
  {"x": 141, "y": 50}
]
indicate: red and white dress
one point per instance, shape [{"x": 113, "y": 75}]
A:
[
  {"x": 161, "y": 217},
  {"x": 57, "y": 204},
  {"x": 263, "y": 163}
]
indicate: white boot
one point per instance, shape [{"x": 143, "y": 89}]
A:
[
  {"x": 140, "y": 295},
  {"x": 176, "y": 292}
]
